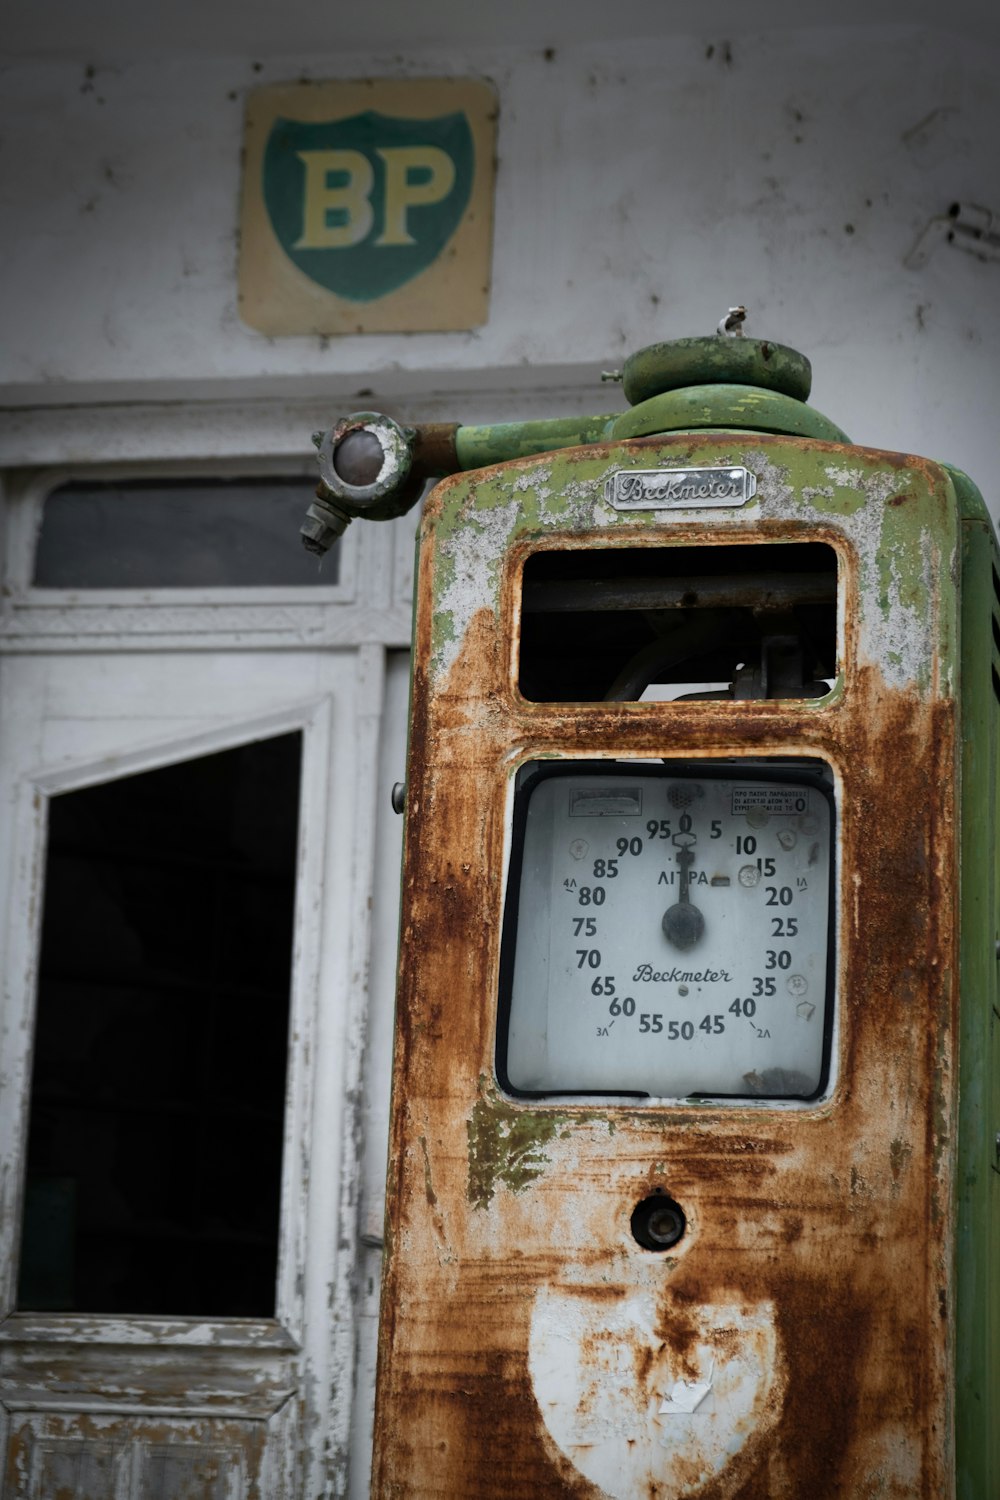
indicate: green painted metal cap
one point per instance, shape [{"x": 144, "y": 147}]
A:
[
  {"x": 716, "y": 360},
  {"x": 725, "y": 408}
]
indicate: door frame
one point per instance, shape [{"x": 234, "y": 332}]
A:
[{"x": 353, "y": 623}]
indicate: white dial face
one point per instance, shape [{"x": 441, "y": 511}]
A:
[{"x": 672, "y": 931}]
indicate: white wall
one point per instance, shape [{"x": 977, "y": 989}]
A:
[{"x": 642, "y": 188}]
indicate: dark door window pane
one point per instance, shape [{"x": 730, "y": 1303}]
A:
[
  {"x": 179, "y": 533},
  {"x": 157, "y": 1106}
]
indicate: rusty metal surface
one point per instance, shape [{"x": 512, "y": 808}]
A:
[
  {"x": 527, "y": 1340},
  {"x": 434, "y": 448}
]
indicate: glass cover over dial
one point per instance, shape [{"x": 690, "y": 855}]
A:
[{"x": 667, "y": 931}]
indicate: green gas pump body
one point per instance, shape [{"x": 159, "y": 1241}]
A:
[{"x": 695, "y": 1164}]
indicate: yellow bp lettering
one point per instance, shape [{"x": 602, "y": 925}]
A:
[
  {"x": 402, "y": 193},
  {"x": 350, "y": 202}
]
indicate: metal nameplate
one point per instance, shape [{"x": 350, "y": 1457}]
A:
[{"x": 679, "y": 489}]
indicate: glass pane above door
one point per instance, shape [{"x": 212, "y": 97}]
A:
[
  {"x": 179, "y": 533},
  {"x": 157, "y": 1103}
]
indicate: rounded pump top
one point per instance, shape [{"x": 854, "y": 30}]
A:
[
  {"x": 724, "y": 380},
  {"x": 716, "y": 361}
]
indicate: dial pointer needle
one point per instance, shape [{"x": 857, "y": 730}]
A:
[{"x": 683, "y": 924}]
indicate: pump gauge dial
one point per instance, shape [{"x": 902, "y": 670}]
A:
[{"x": 668, "y": 931}]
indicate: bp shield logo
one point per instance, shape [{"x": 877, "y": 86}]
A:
[{"x": 362, "y": 205}]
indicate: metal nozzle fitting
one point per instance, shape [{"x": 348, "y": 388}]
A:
[
  {"x": 322, "y": 526},
  {"x": 363, "y": 459}
]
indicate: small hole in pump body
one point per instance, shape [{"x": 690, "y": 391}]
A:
[{"x": 658, "y": 1222}]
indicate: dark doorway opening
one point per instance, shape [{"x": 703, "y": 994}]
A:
[{"x": 158, "y": 1092}]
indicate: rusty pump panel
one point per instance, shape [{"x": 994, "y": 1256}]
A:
[{"x": 696, "y": 1093}]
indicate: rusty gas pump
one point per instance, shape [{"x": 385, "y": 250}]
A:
[{"x": 694, "y": 1185}]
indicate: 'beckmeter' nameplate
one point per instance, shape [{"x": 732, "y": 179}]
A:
[{"x": 670, "y": 489}]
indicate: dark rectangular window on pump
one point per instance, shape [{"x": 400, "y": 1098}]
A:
[
  {"x": 753, "y": 620},
  {"x": 668, "y": 931}
]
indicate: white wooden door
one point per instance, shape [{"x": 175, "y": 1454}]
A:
[{"x": 165, "y": 1405}]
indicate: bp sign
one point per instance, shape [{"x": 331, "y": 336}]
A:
[
  {"x": 373, "y": 219},
  {"x": 365, "y": 204}
]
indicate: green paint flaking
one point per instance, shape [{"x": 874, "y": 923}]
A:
[
  {"x": 507, "y": 1145},
  {"x": 444, "y": 629},
  {"x": 443, "y": 632},
  {"x": 907, "y": 580},
  {"x": 847, "y": 493},
  {"x": 726, "y": 407},
  {"x": 713, "y": 360}
]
